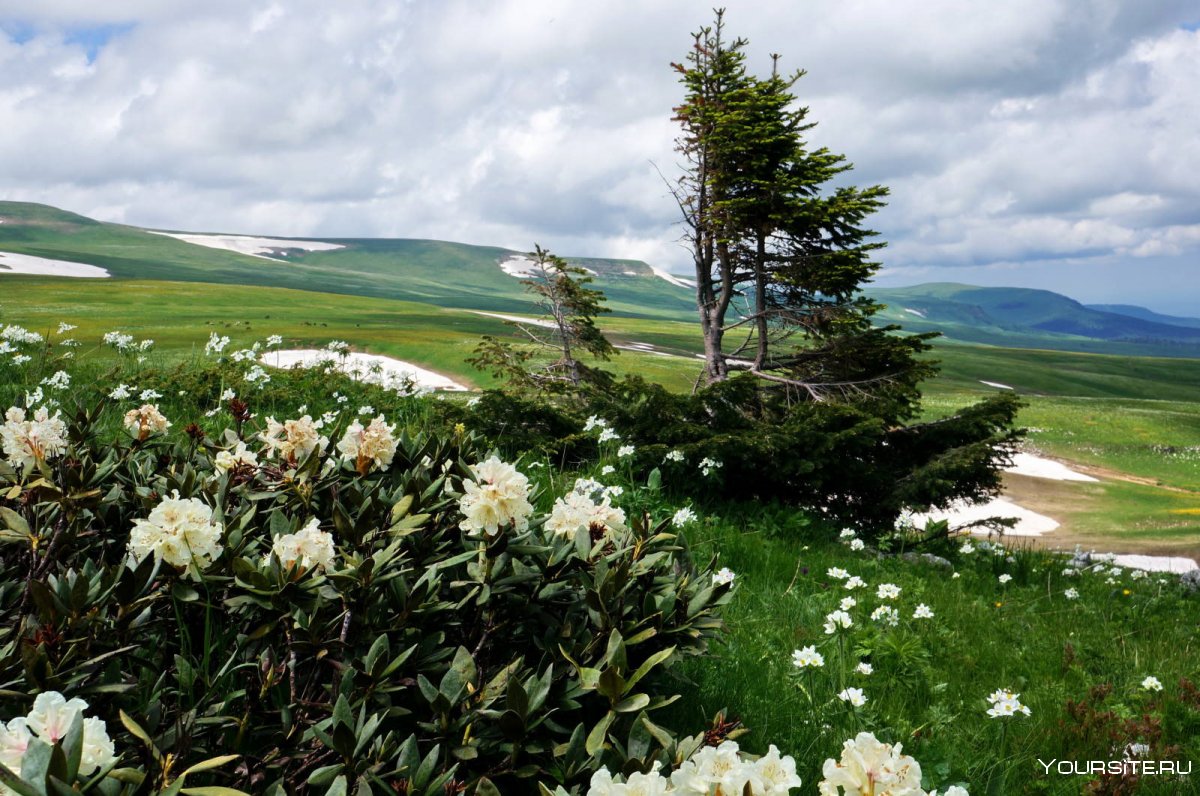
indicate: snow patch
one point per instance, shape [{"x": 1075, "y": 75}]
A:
[
  {"x": 523, "y": 267},
  {"x": 918, "y": 313},
  {"x": 245, "y": 244},
  {"x": 1175, "y": 564},
  {"x": 995, "y": 384},
  {"x": 679, "y": 281},
  {"x": 1038, "y": 467},
  {"x": 41, "y": 266},
  {"x": 1028, "y": 523},
  {"x": 371, "y": 368},
  {"x": 515, "y": 318}
]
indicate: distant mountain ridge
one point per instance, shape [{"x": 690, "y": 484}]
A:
[
  {"x": 1030, "y": 318},
  {"x": 1134, "y": 311}
]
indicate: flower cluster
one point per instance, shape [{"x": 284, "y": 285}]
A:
[
  {"x": 713, "y": 769},
  {"x": 180, "y": 531},
  {"x": 869, "y": 767},
  {"x": 498, "y": 496},
  {"x": 240, "y": 456},
  {"x": 146, "y": 420},
  {"x": 309, "y": 547},
  {"x": 27, "y": 442},
  {"x": 49, "y": 722},
  {"x": 1005, "y": 703},
  {"x": 587, "y": 508},
  {"x": 293, "y": 440},
  {"x": 373, "y": 444}
]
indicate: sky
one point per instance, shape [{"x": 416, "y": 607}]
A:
[{"x": 1035, "y": 143}]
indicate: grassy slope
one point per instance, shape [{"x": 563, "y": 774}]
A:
[{"x": 433, "y": 272}]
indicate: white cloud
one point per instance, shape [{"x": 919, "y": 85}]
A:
[{"x": 1035, "y": 130}]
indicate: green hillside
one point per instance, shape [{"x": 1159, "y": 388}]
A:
[
  {"x": 1134, "y": 311},
  {"x": 433, "y": 272}
]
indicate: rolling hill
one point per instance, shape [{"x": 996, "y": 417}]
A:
[
  {"x": 1027, "y": 318},
  {"x": 433, "y": 272}
]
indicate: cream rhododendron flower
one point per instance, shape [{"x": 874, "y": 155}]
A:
[
  {"x": 27, "y": 442},
  {"x": 146, "y": 420},
  {"x": 871, "y": 768},
  {"x": 14, "y": 740},
  {"x": 293, "y": 440},
  {"x": 775, "y": 775},
  {"x": 374, "y": 444},
  {"x": 309, "y": 547},
  {"x": 578, "y": 513},
  {"x": 498, "y": 496},
  {"x": 181, "y": 532},
  {"x": 50, "y": 720},
  {"x": 231, "y": 459}
]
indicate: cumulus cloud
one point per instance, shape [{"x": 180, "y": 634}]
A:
[{"x": 1043, "y": 132}]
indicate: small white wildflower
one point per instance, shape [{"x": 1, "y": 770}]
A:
[
  {"x": 1005, "y": 578},
  {"x": 1152, "y": 683},
  {"x": 887, "y": 591},
  {"x": 923, "y": 611},
  {"x": 864, "y": 668},
  {"x": 807, "y": 657},
  {"x": 683, "y": 517},
  {"x": 854, "y": 696}
]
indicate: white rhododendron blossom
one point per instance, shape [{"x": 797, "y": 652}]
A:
[
  {"x": 28, "y": 441},
  {"x": 577, "y": 513},
  {"x": 373, "y": 444},
  {"x": 293, "y": 440},
  {"x": 723, "y": 576},
  {"x": 719, "y": 769},
  {"x": 240, "y": 456},
  {"x": 871, "y": 768},
  {"x": 146, "y": 420},
  {"x": 309, "y": 547},
  {"x": 180, "y": 531},
  {"x": 50, "y": 720},
  {"x": 498, "y": 496}
]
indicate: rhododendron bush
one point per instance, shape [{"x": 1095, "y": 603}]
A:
[{"x": 333, "y": 605}]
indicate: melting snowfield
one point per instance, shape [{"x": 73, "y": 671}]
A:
[
  {"x": 1030, "y": 523},
  {"x": 995, "y": 384},
  {"x": 41, "y": 266},
  {"x": 515, "y": 318},
  {"x": 524, "y": 267},
  {"x": 371, "y": 368},
  {"x": 255, "y": 247}
]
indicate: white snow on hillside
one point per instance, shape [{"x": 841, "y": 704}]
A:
[
  {"x": 1039, "y": 467},
  {"x": 246, "y": 244},
  {"x": 918, "y": 313},
  {"x": 515, "y": 318},
  {"x": 995, "y": 384},
  {"x": 1029, "y": 523},
  {"x": 370, "y": 368},
  {"x": 523, "y": 267},
  {"x": 679, "y": 281},
  {"x": 1175, "y": 564},
  {"x": 41, "y": 266}
]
